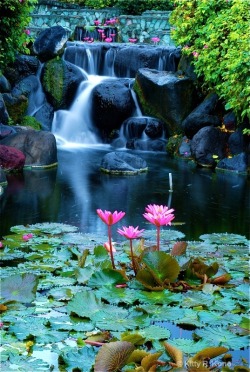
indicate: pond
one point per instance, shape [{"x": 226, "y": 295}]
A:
[{"x": 204, "y": 201}]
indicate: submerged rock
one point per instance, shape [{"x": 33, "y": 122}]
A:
[
  {"x": 11, "y": 159},
  {"x": 123, "y": 163}
]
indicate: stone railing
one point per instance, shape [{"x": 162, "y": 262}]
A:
[{"x": 150, "y": 24}]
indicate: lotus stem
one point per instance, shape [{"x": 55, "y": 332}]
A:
[
  {"x": 132, "y": 255},
  {"x": 111, "y": 247}
]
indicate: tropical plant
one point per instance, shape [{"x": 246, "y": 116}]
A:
[
  {"x": 140, "y": 6},
  {"x": 216, "y": 34},
  {"x": 14, "y": 36}
]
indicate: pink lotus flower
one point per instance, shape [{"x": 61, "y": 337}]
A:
[
  {"x": 155, "y": 40},
  {"x": 1, "y": 245},
  {"x": 131, "y": 233},
  {"x": 110, "y": 219},
  {"x": 27, "y": 237},
  {"x": 108, "y": 39},
  {"x": 96, "y": 22},
  {"x": 132, "y": 40},
  {"x": 27, "y": 32},
  {"x": 158, "y": 215}
]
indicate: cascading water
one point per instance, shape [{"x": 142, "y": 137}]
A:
[{"x": 74, "y": 127}]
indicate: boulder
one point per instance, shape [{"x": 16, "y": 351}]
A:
[
  {"x": 11, "y": 159},
  {"x": 4, "y": 116},
  {"x": 6, "y": 130},
  {"x": 130, "y": 58},
  {"x": 230, "y": 121},
  {"x": 157, "y": 144},
  {"x": 50, "y": 43},
  {"x": 45, "y": 115},
  {"x": 237, "y": 164},
  {"x": 209, "y": 146},
  {"x": 112, "y": 104},
  {"x": 16, "y": 106},
  {"x": 22, "y": 67},
  {"x": 5, "y": 86},
  {"x": 38, "y": 147},
  {"x": 236, "y": 142},
  {"x": 202, "y": 116},
  {"x": 166, "y": 96},
  {"x": 154, "y": 129},
  {"x": 123, "y": 163},
  {"x": 60, "y": 81}
]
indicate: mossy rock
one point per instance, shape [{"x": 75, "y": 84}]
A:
[
  {"x": 29, "y": 121},
  {"x": 173, "y": 144}
]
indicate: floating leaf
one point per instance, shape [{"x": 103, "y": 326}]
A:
[
  {"x": 82, "y": 359},
  {"x": 84, "y": 304},
  {"x": 222, "y": 337},
  {"x": 200, "y": 359},
  {"x": 154, "y": 332},
  {"x": 192, "y": 299},
  {"x": 150, "y": 361},
  {"x": 106, "y": 277},
  {"x": 20, "y": 288},
  {"x": 162, "y": 266},
  {"x": 218, "y": 319},
  {"x": 118, "y": 295},
  {"x": 169, "y": 235},
  {"x": 164, "y": 297},
  {"x": 179, "y": 248},
  {"x": 175, "y": 353},
  {"x": 188, "y": 346},
  {"x": 24, "y": 363},
  {"x": 112, "y": 357},
  {"x": 224, "y": 238}
]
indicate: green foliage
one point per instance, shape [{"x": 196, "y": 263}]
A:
[
  {"x": 30, "y": 121},
  {"x": 99, "y": 4},
  {"x": 216, "y": 34},
  {"x": 140, "y": 6},
  {"x": 14, "y": 36}
]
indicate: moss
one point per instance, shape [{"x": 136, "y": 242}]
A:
[
  {"x": 17, "y": 110},
  {"x": 29, "y": 121},
  {"x": 173, "y": 144},
  {"x": 53, "y": 80}
]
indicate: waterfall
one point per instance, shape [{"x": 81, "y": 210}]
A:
[{"x": 74, "y": 127}]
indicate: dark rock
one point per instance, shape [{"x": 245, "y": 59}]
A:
[
  {"x": 50, "y": 43},
  {"x": 16, "y": 106},
  {"x": 22, "y": 67},
  {"x": 165, "y": 96},
  {"x": 6, "y": 130},
  {"x": 208, "y": 143},
  {"x": 237, "y": 164},
  {"x": 123, "y": 163},
  {"x": 4, "y": 116},
  {"x": 236, "y": 142},
  {"x": 201, "y": 116},
  {"x": 230, "y": 121},
  {"x": 60, "y": 81},
  {"x": 11, "y": 159},
  {"x": 158, "y": 145},
  {"x": 131, "y": 58},
  {"x": 154, "y": 129},
  {"x": 45, "y": 115},
  {"x": 38, "y": 147},
  {"x": 112, "y": 104},
  {"x": 5, "y": 86},
  {"x": 185, "y": 148}
]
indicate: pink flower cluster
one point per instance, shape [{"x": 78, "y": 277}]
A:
[{"x": 27, "y": 237}]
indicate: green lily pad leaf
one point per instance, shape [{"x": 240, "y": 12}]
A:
[
  {"x": 218, "y": 319},
  {"x": 117, "y": 295},
  {"x": 51, "y": 281},
  {"x": 198, "y": 248},
  {"x": 190, "y": 317},
  {"x": 53, "y": 228},
  {"x": 146, "y": 278},
  {"x": 84, "y": 274},
  {"x": 223, "y": 304},
  {"x": 85, "y": 304},
  {"x": 154, "y": 332},
  {"x": 164, "y": 297},
  {"x": 162, "y": 266},
  {"x": 21, "y": 288},
  {"x": 113, "y": 356},
  {"x": 245, "y": 323},
  {"x": 115, "y": 319},
  {"x": 222, "y": 337},
  {"x": 189, "y": 346},
  {"x": 162, "y": 313},
  {"x": 24, "y": 363},
  {"x": 134, "y": 338},
  {"x": 69, "y": 323},
  {"x": 225, "y": 238},
  {"x": 82, "y": 359},
  {"x": 106, "y": 277},
  {"x": 86, "y": 240},
  {"x": 192, "y": 299},
  {"x": 166, "y": 234},
  {"x": 240, "y": 293}
]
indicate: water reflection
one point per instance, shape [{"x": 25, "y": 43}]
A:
[{"x": 205, "y": 201}]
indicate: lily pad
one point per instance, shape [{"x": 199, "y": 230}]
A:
[
  {"x": 20, "y": 288},
  {"x": 225, "y": 238}
]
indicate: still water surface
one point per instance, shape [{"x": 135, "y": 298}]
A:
[{"x": 204, "y": 201}]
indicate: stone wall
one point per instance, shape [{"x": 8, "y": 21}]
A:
[{"x": 150, "y": 24}]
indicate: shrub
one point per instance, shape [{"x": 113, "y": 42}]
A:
[
  {"x": 14, "y": 37},
  {"x": 139, "y": 6},
  {"x": 216, "y": 34}
]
